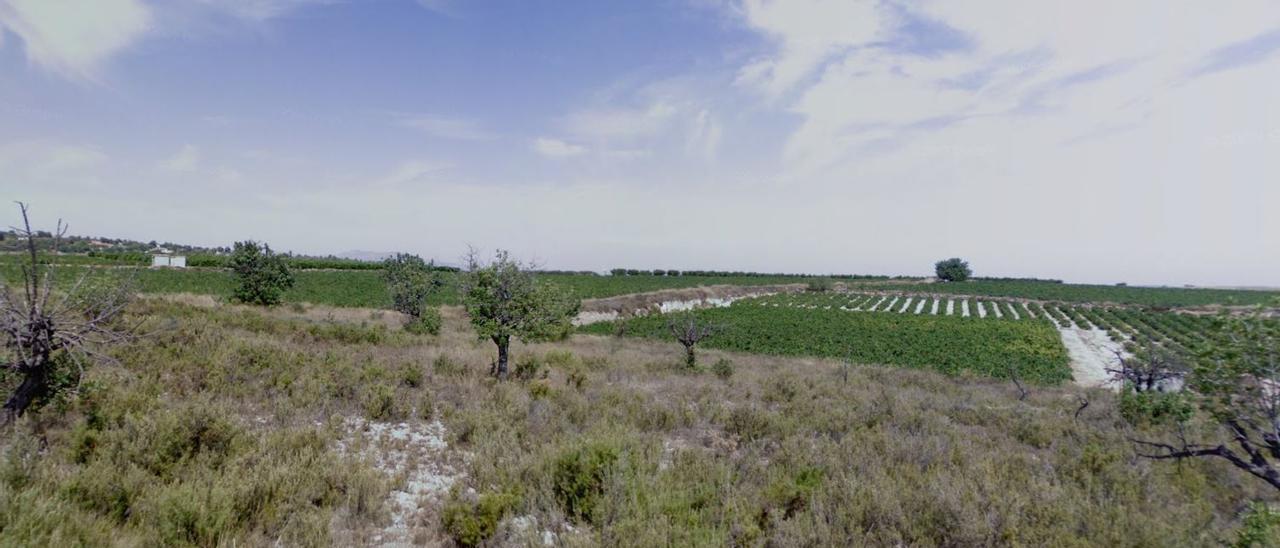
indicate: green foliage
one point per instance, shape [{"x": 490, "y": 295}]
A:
[
  {"x": 791, "y": 494},
  {"x": 953, "y": 270},
  {"x": 471, "y": 522},
  {"x": 380, "y": 404},
  {"x": 428, "y": 322},
  {"x": 183, "y": 475},
  {"x": 262, "y": 275},
  {"x": 1240, "y": 369},
  {"x": 1260, "y": 527},
  {"x": 1085, "y": 293},
  {"x": 950, "y": 344},
  {"x": 723, "y": 368},
  {"x": 1155, "y": 408},
  {"x": 447, "y": 366},
  {"x": 63, "y": 378},
  {"x": 578, "y": 478},
  {"x": 410, "y": 282},
  {"x": 504, "y": 299},
  {"x": 820, "y": 285},
  {"x": 343, "y": 284},
  {"x": 530, "y": 367}
]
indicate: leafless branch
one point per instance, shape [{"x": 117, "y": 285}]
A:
[{"x": 43, "y": 322}]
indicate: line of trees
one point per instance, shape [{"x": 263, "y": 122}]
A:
[{"x": 744, "y": 274}]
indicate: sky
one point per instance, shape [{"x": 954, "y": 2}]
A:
[{"x": 1091, "y": 141}]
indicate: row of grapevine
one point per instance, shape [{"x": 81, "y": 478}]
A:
[
  {"x": 1182, "y": 333},
  {"x": 950, "y": 344},
  {"x": 900, "y": 304}
]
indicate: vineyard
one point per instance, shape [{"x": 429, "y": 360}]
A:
[
  {"x": 1082, "y": 293},
  {"x": 951, "y": 334},
  {"x": 951, "y": 344},
  {"x": 1183, "y": 333}
]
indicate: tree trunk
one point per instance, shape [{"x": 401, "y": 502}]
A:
[
  {"x": 503, "y": 342},
  {"x": 689, "y": 358},
  {"x": 35, "y": 383}
]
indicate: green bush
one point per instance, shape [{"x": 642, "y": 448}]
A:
[
  {"x": 529, "y": 368},
  {"x": 380, "y": 403},
  {"x": 446, "y": 366},
  {"x": 723, "y": 368},
  {"x": 792, "y": 494},
  {"x": 563, "y": 359},
  {"x": 1260, "y": 527},
  {"x": 262, "y": 275},
  {"x": 428, "y": 322},
  {"x": 1154, "y": 408},
  {"x": 578, "y": 479},
  {"x": 819, "y": 285},
  {"x": 471, "y": 522},
  {"x": 411, "y": 283}
]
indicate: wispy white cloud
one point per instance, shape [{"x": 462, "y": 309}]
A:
[
  {"x": 409, "y": 172},
  {"x": 36, "y": 164},
  {"x": 75, "y": 37},
  {"x": 445, "y": 127},
  {"x": 258, "y": 10},
  {"x": 808, "y": 33},
  {"x": 555, "y": 148},
  {"x": 617, "y": 123},
  {"x": 185, "y": 160},
  {"x": 444, "y": 7},
  {"x": 703, "y": 137},
  {"x": 870, "y": 86}
]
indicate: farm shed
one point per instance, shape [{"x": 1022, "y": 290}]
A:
[{"x": 169, "y": 260}]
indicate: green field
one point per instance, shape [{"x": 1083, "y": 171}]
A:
[
  {"x": 948, "y": 344},
  {"x": 365, "y": 288},
  {"x": 1081, "y": 293}
]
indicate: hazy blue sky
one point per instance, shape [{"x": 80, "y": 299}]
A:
[{"x": 1094, "y": 141}]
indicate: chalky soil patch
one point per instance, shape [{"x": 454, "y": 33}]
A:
[{"x": 422, "y": 468}]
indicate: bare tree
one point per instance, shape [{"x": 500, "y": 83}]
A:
[
  {"x": 1151, "y": 368},
  {"x": 689, "y": 330},
  {"x": 1017, "y": 383},
  {"x": 39, "y": 324},
  {"x": 1238, "y": 386}
]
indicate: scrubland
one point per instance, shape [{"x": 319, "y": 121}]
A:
[{"x": 227, "y": 425}]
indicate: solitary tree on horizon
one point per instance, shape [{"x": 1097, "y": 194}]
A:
[{"x": 954, "y": 269}]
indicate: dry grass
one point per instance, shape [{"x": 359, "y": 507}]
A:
[{"x": 607, "y": 442}]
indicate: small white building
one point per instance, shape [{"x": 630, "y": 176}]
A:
[{"x": 168, "y": 260}]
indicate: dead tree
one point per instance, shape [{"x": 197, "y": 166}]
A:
[
  {"x": 40, "y": 324},
  {"x": 1151, "y": 368},
  {"x": 1017, "y": 383},
  {"x": 689, "y": 330},
  {"x": 1238, "y": 385}
]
